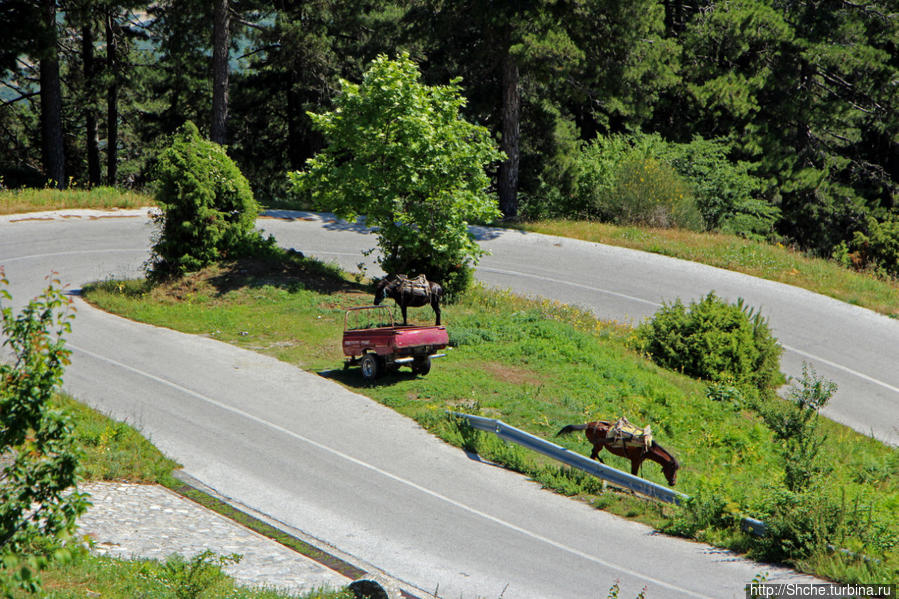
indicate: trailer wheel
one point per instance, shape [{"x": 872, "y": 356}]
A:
[
  {"x": 422, "y": 366},
  {"x": 370, "y": 367}
]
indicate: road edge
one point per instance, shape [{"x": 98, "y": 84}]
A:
[{"x": 196, "y": 491}]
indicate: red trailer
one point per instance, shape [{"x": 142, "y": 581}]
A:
[{"x": 373, "y": 340}]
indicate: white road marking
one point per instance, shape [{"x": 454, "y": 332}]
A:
[
  {"x": 845, "y": 369},
  {"x": 570, "y": 284},
  {"x": 72, "y": 253},
  {"x": 789, "y": 348},
  {"x": 394, "y": 477}
]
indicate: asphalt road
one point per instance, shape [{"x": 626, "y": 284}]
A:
[
  {"x": 339, "y": 467},
  {"x": 853, "y": 347}
]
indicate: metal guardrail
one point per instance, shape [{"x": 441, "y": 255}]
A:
[
  {"x": 581, "y": 462},
  {"x": 576, "y": 460}
]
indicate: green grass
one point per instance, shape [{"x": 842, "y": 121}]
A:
[
  {"x": 772, "y": 262},
  {"x": 38, "y": 200},
  {"x": 537, "y": 366},
  {"x": 91, "y": 576},
  {"x": 114, "y": 450}
]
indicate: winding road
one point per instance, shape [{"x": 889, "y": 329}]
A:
[
  {"x": 856, "y": 348},
  {"x": 363, "y": 479}
]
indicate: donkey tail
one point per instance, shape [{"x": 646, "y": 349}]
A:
[{"x": 571, "y": 428}]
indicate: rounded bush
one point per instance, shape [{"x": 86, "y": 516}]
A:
[
  {"x": 649, "y": 193},
  {"x": 713, "y": 340},
  {"x": 208, "y": 210}
]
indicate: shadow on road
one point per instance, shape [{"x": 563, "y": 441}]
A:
[{"x": 328, "y": 220}]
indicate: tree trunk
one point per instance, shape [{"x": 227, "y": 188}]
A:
[
  {"x": 511, "y": 112},
  {"x": 221, "y": 42},
  {"x": 51, "y": 103},
  {"x": 90, "y": 110},
  {"x": 302, "y": 141},
  {"x": 295, "y": 154},
  {"x": 112, "y": 102}
]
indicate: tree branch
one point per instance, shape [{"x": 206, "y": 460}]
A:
[
  {"x": 867, "y": 8},
  {"x": 847, "y": 100},
  {"x": 21, "y": 97},
  {"x": 249, "y": 24}
]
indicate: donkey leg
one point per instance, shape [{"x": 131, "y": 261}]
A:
[
  {"x": 436, "y": 307},
  {"x": 403, "y": 308},
  {"x": 594, "y": 455}
]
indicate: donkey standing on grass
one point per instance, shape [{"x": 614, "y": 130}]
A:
[{"x": 604, "y": 435}]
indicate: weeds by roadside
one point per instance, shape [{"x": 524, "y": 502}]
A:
[
  {"x": 177, "y": 577},
  {"x": 101, "y": 198}
]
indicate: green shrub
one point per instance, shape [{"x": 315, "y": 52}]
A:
[
  {"x": 713, "y": 340},
  {"x": 876, "y": 250},
  {"x": 795, "y": 425},
  {"x": 606, "y": 172},
  {"x": 649, "y": 193},
  {"x": 208, "y": 210},
  {"x": 800, "y": 525},
  {"x": 191, "y": 578},
  {"x": 726, "y": 193},
  {"x": 707, "y": 508}
]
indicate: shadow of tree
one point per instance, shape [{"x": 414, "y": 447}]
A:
[{"x": 291, "y": 272}]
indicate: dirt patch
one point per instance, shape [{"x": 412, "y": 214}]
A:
[{"x": 511, "y": 374}]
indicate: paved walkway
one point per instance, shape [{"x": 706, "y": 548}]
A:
[{"x": 149, "y": 521}]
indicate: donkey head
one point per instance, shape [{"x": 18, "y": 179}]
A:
[{"x": 384, "y": 287}]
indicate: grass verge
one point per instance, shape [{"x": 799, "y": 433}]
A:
[
  {"x": 114, "y": 450},
  {"x": 540, "y": 366},
  {"x": 86, "y": 575},
  {"x": 772, "y": 262},
  {"x": 102, "y": 198}
]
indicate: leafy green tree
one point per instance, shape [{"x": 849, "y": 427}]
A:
[
  {"x": 547, "y": 73},
  {"x": 400, "y": 154},
  {"x": 38, "y": 460},
  {"x": 805, "y": 89},
  {"x": 208, "y": 210}
]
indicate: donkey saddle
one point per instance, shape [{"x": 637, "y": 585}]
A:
[
  {"x": 624, "y": 434},
  {"x": 417, "y": 287}
]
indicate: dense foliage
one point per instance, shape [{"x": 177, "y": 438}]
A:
[
  {"x": 208, "y": 210},
  {"x": 713, "y": 340},
  {"x": 778, "y": 119},
  {"x": 38, "y": 459},
  {"x": 399, "y": 153},
  {"x": 643, "y": 179}
]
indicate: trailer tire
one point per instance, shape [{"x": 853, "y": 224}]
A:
[
  {"x": 422, "y": 366},
  {"x": 370, "y": 367}
]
